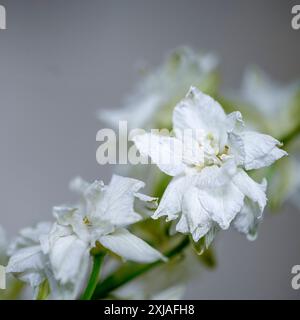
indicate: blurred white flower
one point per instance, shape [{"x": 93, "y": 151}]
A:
[
  {"x": 100, "y": 219},
  {"x": 210, "y": 187},
  {"x": 150, "y": 106},
  {"x": 270, "y": 104},
  {"x": 28, "y": 262},
  {"x": 3, "y": 246},
  {"x": 12, "y": 289},
  {"x": 31, "y": 265}
]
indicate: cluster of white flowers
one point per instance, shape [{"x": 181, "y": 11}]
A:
[
  {"x": 210, "y": 156},
  {"x": 210, "y": 189}
]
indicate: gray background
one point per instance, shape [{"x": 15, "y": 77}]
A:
[{"x": 61, "y": 61}]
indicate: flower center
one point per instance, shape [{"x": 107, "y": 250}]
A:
[
  {"x": 212, "y": 154},
  {"x": 86, "y": 221}
]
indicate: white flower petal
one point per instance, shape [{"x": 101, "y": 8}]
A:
[
  {"x": 29, "y": 237},
  {"x": 222, "y": 203},
  {"x": 93, "y": 194},
  {"x": 68, "y": 261},
  {"x": 63, "y": 215},
  {"x": 66, "y": 256},
  {"x": 199, "y": 111},
  {"x": 237, "y": 148},
  {"x": 90, "y": 195},
  {"x": 171, "y": 202},
  {"x": 117, "y": 205},
  {"x": 194, "y": 218},
  {"x": 70, "y": 290},
  {"x": 130, "y": 247},
  {"x": 251, "y": 189},
  {"x": 214, "y": 176},
  {"x": 211, "y": 234},
  {"x": 248, "y": 219},
  {"x": 261, "y": 150},
  {"x": 234, "y": 121},
  {"x": 145, "y": 204},
  {"x": 28, "y": 265},
  {"x": 32, "y": 277},
  {"x": 27, "y": 261},
  {"x": 145, "y": 198},
  {"x": 166, "y": 152},
  {"x": 82, "y": 228},
  {"x": 26, "y": 258}
]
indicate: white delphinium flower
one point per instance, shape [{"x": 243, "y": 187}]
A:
[
  {"x": 100, "y": 219},
  {"x": 150, "y": 106},
  {"x": 31, "y": 265},
  {"x": 27, "y": 261},
  {"x": 207, "y": 157}
]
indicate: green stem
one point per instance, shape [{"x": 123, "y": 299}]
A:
[
  {"x": 88, "y": 293},
  {"x": 129, "y": 272},
  {"x": 291, "y": 135}
]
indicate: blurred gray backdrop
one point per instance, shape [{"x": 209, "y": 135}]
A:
[{"x": 61, "y": 61}]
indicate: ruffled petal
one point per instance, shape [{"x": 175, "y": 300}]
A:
[
  {"x": 214, "y": 176},
  {"x": 201, "y": 113},
  {"x": 222, "y": 203},
  {"x": 66, "y": 255},
  {"x": 63, "y": 215},
  {"x": 261, "y": 150},
  {"x": 91, "y": 195},
  {"x": 248, "y": 219},
  {"x": 117, "y": 204},
  {"x": 237, "y": 148},
  {"x": 234, "y": 121},
  {"x": 251, "y": 189},
  {"x": 195, "y": 219},
  {"x": 166, "y": 152},
  {"x": 171, "y": 202},
  {"x": 28, "y": 265},
  {"x": 29, "y": 237}
]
